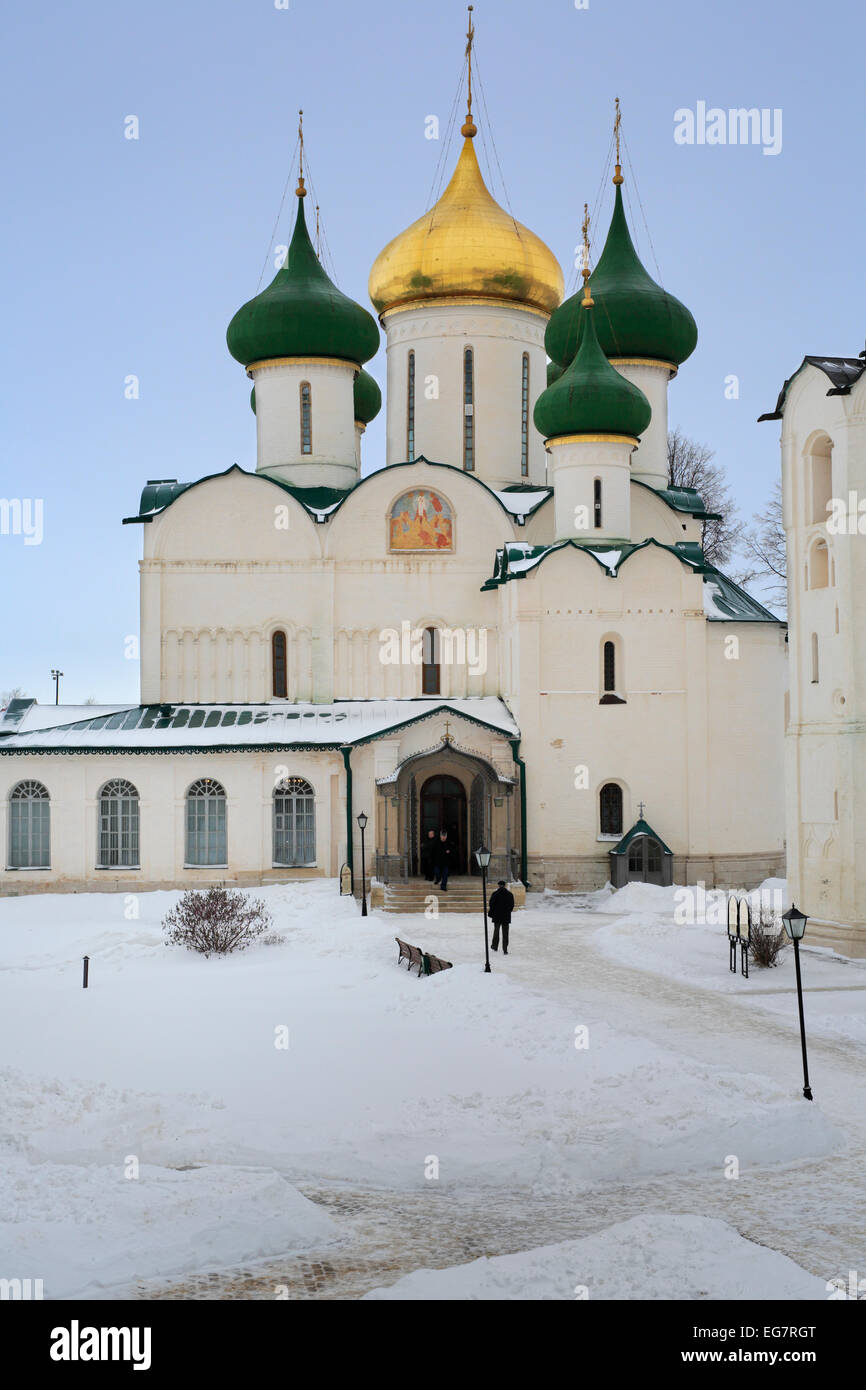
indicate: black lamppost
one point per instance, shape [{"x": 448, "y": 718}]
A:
[
  {"x": 55, "y": 676},
  {"x": 362, "y": 821},
  {"x": 795, "y": 925},
  {"x": 483, "y": 857}
]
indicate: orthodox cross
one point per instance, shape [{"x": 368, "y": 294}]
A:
[
  {"x": 640, "y": 809},
  {"x": 446, "y": 737},
  {"x": 585, "y": 230},
  {"x": 469, "y": 125}
]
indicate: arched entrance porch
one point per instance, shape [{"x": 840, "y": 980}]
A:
[{"x": 455, "y": 788}]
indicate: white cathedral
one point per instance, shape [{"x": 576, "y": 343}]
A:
[{"x": 508, "y": 628}]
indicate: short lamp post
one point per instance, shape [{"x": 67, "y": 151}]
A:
[
  {"x": 362, "y": 821},
  {"x": 483, "y": 857},
  {"x": 55, "y": 676},
  {"x": 795, "y": 925}
]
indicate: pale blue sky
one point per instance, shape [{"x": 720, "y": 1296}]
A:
[{"x": 127, "y": 257}]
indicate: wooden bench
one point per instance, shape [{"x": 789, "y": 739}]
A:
[
  {"x": 434, "y": 965},
  {"x": 413, "y": 955}
]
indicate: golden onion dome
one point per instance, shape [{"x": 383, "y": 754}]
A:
[{"x": 466, "y": 246}]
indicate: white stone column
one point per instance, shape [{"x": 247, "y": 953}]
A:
[
  {"x": 499, "y": 335},
  {"x": 334, "y": 446},
  {"x": 649, "y": 462},
  {"x": 576, "y": 462}
]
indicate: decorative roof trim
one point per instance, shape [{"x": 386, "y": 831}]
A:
[
  {"x": 843, "y": 372},
  {"x": 640, "y": 827},
  {"x": 314, "y": 512}
]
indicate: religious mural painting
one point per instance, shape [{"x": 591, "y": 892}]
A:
[{"x": 421, "y": 520}]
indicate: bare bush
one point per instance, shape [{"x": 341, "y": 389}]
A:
[
  {"x": 216, "y": 921},
  {"x": 768, "y": 939}
]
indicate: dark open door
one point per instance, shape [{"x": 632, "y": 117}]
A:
[{"x": 443, "y": 807}]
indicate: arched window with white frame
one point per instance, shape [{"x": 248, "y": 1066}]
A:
[
  {"x": 118, "y": 826},
  {"x": 29, "y": 826},
  {"x": 294, "y": 816},
  {"x": 206, "y": 843}
]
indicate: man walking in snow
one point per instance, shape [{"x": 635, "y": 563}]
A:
[{"x": 501, "y": 907}]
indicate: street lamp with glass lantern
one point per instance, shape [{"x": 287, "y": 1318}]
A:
[
  {"x": 795, "y": 925},
  {"x": 362, "y": 821},
  {"x": 483, "y": 857}
]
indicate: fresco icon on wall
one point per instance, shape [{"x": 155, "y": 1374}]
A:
[{"x": 421, "y": 520}]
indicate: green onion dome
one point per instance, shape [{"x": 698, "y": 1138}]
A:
[
  {"x": 591, "y": 397},
  {"x": 253, "y": 400},
  {"x": 368, "y": 398},
  {"x": 634, "y": 317},
  {"x": 554, "y": 372},
  {"x": 301, "y": 313}
]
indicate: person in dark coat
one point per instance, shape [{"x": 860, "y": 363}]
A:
[
  {"x": 500, "y": 908},
  {"x": 444, "y": 857},
  {"x": 428, "y": 855}
]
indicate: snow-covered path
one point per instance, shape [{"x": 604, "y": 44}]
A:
[{"x": 812, "y": 1210}]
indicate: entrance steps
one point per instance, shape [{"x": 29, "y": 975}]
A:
[{"x": 463, "y": 895}]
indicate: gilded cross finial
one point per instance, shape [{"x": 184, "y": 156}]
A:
[
  {"x": 617, "y": 178},
  {"x": 446, "y": 737},
  {"x": 469, "y": 128},
  {"x": 301, "y": 191}
]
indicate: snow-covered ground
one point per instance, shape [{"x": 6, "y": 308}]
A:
[
  {"x": 172, "y": 1067},
  {"x": 657, "y": 1257},
  {"x": 649, "y": 934}
]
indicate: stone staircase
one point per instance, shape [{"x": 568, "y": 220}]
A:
[{"x": 463, "y": 895}]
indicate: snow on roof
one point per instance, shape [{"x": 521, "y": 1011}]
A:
[
  {"x": 522, "y": 502},
  {"x": 726, "y": 602},
  {"x": 609, "y": 558},
  {"x": 180, "y": 726}
]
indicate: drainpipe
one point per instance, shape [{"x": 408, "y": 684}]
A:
[
  {"x": 515, "y": 745},
  {"x": 350, "y": 859}
]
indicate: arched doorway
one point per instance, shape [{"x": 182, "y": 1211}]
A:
[
  {"x": 443, "y": 807},
  {"x": 645, "y": 860}
]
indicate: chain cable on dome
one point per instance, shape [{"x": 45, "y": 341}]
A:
[
  {"x": 271, "y": 243},
  {"x": 441, "y": 163},
  {"x": 326, "y": 259},
  {"x": 489, "y": 126},
  {"x": 642, "y": 213}
]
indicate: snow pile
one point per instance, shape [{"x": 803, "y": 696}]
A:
[
  {"x": 82, "y": 1229},
  {"x": 648, "y": 1257}
]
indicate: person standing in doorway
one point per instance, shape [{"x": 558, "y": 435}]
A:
[
  {"x": 444, "y": 854},
  {"x": 501, "y": 907},
  {"x": 429, "y": 850}
]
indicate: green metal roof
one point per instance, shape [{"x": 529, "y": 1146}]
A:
[
  {"x": 635, "y": 317},
  {"x": 724, "y": 600},
  {"x": 682, "y": 499},
  {"x": 516, "y": 559},
  {"x": 640, "y": 827},
  {"x": 302, "y": 313},
  {"x": 591, "y": 397},
  {"x": 157, "y": 496}
]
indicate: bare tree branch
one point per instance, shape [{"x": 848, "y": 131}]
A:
[
  {"x": 690, "y": 465},
  {"x": 765, "y": 550}
]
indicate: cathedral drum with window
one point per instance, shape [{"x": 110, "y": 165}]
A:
[{"x": 505, "y": 628}]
